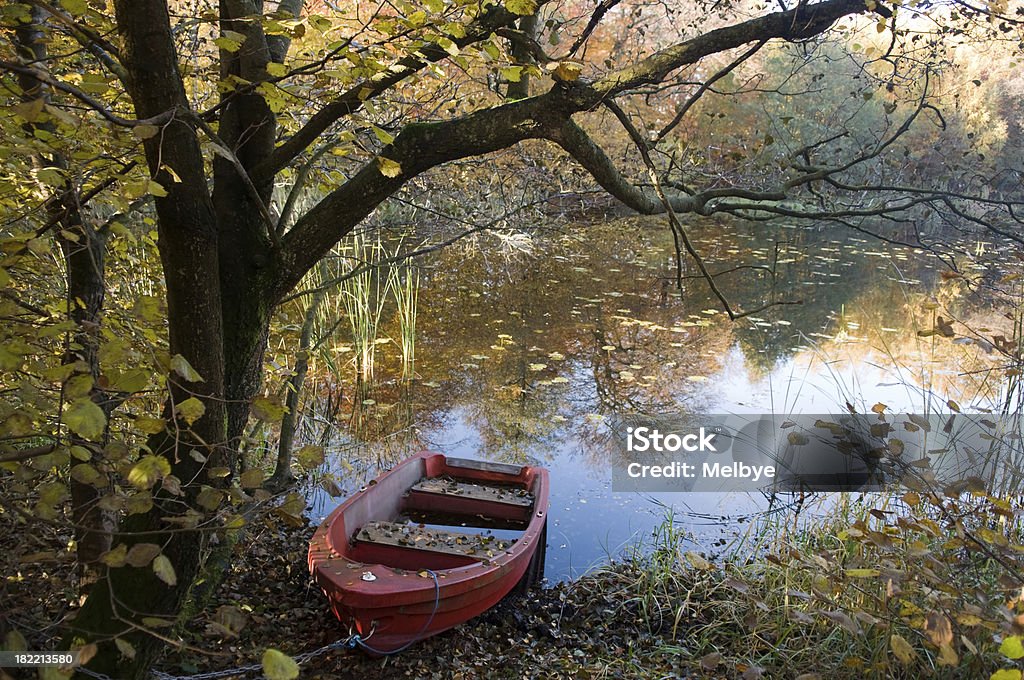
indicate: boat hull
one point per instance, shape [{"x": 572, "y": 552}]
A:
[{"x": 392, "y": 596}]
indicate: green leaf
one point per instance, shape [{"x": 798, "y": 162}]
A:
[
  {"x": 384, "y": 136},
  {"x": 51, "y": 177},
  {"x": 142, "y": 554},
  {"x": 521, "y": 7},
  {"x": 251, "y": 479},
  {"x": 310, "y": 456},
  {"x": 78, "y": 386},
  {"x": 148, "y": 425},
  {"x": 115, "y": 557},
  {"x": 279, "y": 666},
  {"x": 164, "y": 570},
  {"x": 448, "y": 46},
  {"x": 85, "y": 418},
  {"x": 132, "y": 380},
  {"x": 180, "y": 365},
  {"x": 230, "y": 41},
  {"x": 191, "y": 410},
  {"x": 1011, "y": 647},
  {"x": 76, "y": 7},
  {"x": 148, "y": 471},
  {"x": 155, "y": 188},
  {"x": 266, "y": 410},
  {"x": 276, "y": 70},
  {"x": 512, "y": 74},
  {"x": 87, "y": 474},
  {"x": 209, "y": 498},
  {"x": 125, "y": 647}
]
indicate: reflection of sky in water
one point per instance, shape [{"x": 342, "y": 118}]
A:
[
  {"x": 590, "y": 523},
  {"x": 488, "y": 397}
]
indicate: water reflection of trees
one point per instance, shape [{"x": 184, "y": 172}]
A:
[{"x": 525, "y": 347}]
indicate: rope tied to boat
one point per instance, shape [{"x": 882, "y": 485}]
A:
[
  {"x": 419, "y": 636},
  {"x": 351, "y": 642}
]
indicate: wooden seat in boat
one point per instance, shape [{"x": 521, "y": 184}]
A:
[
  {"x": 415, "y": 537},
  {"x": 504, "y": 495}
]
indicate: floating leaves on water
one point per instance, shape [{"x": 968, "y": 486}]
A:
[
  {"x": 537, "y": 367},
  {"x": 698, "y": 561}
]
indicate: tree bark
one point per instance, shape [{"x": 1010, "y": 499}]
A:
[
  {"x": 521, "y": 54},
  {"x": 84, "y": 251},
  {"x": 189, "y": 252}
]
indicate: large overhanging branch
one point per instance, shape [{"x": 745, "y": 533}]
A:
[{"x": 420, "y": 147}]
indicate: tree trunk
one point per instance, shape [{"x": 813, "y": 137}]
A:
[
  {"x": 84, "y": 251},
  {"x": 521, "y": 54},
  {"x": 126, "y": 595}
]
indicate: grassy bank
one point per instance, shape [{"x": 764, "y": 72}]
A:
[
  {"x": 911, "y": 586},
  {"x": 893, "y": 588}
]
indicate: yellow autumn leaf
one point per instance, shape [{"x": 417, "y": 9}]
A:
[
  {"x": 388, "y": 167},
  {"x": 164, "y": 570},
  {"x": 698, "y": 562},
  {"x": 1006, "y": 674},
  {"x": 901, "y": 649},
  {"x": 279, "y": 666},
  {"x": 191, "y": 410},
  {"x": 1011, "y": 647},
  {"x": 567, "y": 71},
  {"x": 521, "y": 7},
  {"x": 148, "y": 470}
]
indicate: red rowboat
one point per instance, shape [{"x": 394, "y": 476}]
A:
[{"x": 395, "y": 577}]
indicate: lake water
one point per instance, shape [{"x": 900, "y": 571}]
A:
[{"x": 535, "y": 357}]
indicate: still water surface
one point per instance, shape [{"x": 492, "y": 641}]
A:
[{"x": 542, "y": 357}]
